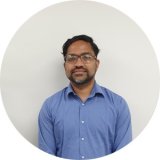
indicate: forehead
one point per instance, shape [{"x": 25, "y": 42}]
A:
[{"x": 79, "y": 47}]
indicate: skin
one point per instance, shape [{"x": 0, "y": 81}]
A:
[{"x": 81, "y": 76}]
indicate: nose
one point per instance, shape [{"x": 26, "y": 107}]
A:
[{"x": 79, "y": 62}]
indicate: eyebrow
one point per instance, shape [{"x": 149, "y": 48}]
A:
[{"x": 81, "y": 53}]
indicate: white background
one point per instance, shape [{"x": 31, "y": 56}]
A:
[
  {"x": 32, "y": 67},
  {"x": 14, "y": 14}
]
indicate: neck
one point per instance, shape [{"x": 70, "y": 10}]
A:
[{"x": 84, "y": 90}]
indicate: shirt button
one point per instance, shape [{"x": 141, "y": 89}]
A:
[
  {"x": 82, "y": 157},
  {"x": 82, "y": 139},
  {"x": 82, "y": 122},
  {"x": 82, "y": 104}
]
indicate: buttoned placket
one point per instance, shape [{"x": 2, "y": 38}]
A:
[{"x": 82, "y": 130}]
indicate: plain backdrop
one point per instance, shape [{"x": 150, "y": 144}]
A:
[{"x": 32, "y": 67}]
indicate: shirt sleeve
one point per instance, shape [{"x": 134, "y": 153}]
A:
[
  {"x": 46, "y": 139},
  {"x": 123, "y": 133}
]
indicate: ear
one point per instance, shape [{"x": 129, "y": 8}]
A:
[{"x": 97, "y": 63}]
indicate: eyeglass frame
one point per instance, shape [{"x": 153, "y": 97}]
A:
[{"x": 81, "y": 57}]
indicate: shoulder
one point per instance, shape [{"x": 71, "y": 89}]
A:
[
  {"x": 111, "y": 95},
  {"x": 52, "y": 102},
  {"x": 56, "y": 96},
  {"x": 117, "y": 101}
]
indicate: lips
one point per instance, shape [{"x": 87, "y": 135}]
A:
[{"x": 79, "y": 72}]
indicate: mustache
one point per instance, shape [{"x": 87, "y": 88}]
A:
[{"x": 79, "y": 69}]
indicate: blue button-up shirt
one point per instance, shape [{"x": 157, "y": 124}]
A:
[{"x": 73, "y": 129}]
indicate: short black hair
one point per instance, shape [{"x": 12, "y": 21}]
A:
[{"x": 80, "y": 37}]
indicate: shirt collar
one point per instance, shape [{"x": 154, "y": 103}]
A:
[{"x": 96, "y": 90}]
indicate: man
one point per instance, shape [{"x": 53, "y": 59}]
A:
[{"x": 84, "y": 120}]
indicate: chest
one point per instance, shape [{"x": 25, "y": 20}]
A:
[{"x": 91, "y": 117}]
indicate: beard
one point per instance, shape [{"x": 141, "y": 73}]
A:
[
  {"x": 81, "y": 81},
  {"x": 80, "y": 78}
]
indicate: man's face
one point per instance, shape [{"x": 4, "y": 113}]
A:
[{"x": 81, "y": 71}]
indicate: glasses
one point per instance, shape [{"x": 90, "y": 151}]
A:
[{"x": 85, "y": 58}]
